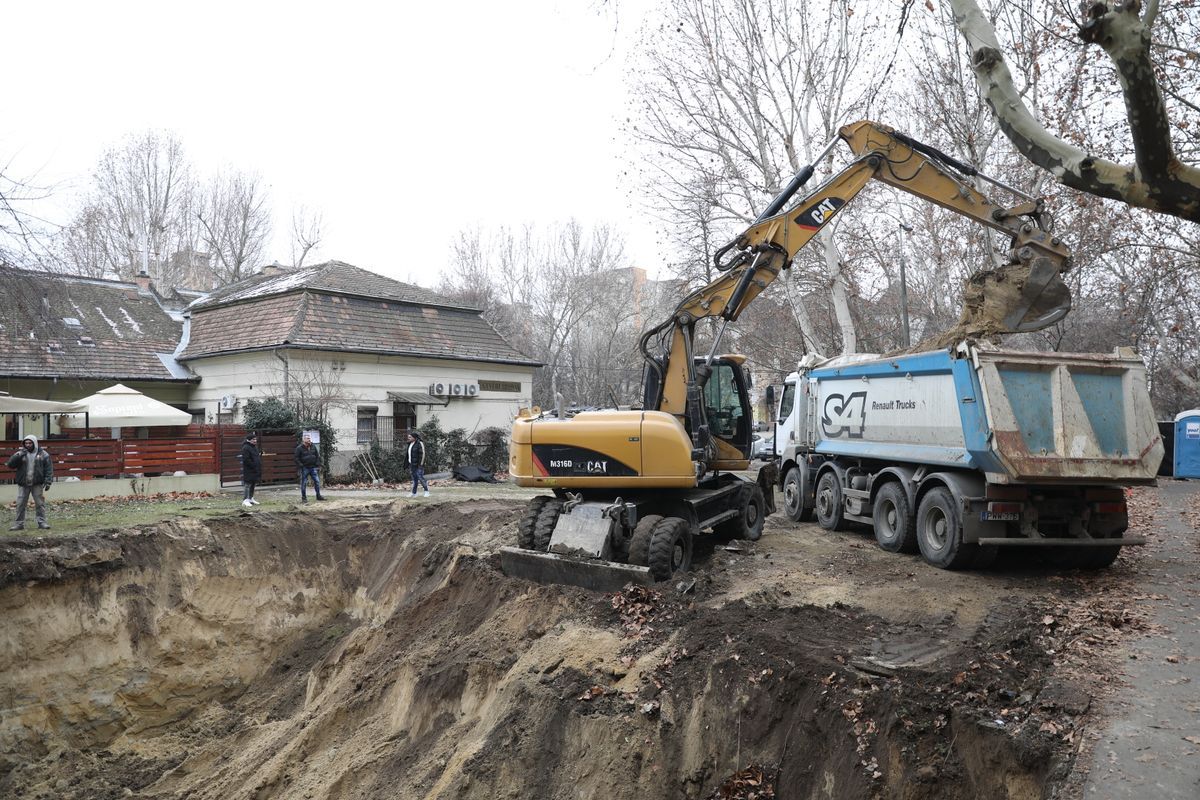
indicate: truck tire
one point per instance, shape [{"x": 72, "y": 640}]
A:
[
  {"x": 793, "y": 497},
  {"x": 939, "y": 532},
  {"x": 543, "y": 528},
  {"x": 830, "y": 509},
  {"x": 748, "y": 525},
  {"x": 525, "y": 536},
  {"x": 670, "y": 548},
  {"x": 895, "y": 524},
  {"x": 639, "y": 543}
]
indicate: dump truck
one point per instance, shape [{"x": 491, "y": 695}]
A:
[{"x": 958, "y": 452}]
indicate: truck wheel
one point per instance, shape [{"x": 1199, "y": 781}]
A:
[
  {"x": 895, "y": 524},
  {"x": 748, "y": 524},
  {"x": 939, "y": 532},
  {"x": 525, "y": 537},
  {"x": 543, "y": 529},
  {"x": 829, "y": 502},
  {"x": 670, "y": 548},
  {"x": 639, "y": 543},
  {"x": 793, "y": 497}
]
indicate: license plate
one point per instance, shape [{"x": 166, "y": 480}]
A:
[{"x": 999, "y": 516}]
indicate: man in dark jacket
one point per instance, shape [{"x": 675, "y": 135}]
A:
[
  {"x": 308, "y": 461},
  {"x": 251, "y": 468},
  {"x": 35, "y": 471},
  {"x": 416, "y": 462}
]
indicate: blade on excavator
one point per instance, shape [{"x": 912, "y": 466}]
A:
[{"x": 589, "y": 573}]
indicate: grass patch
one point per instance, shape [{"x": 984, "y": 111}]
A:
[{"x": 79, "y": 517}]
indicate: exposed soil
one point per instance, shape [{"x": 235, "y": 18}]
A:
[{"x": 381, "y": 653}]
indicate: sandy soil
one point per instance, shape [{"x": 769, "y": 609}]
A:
[{"x": 379, "y": 652}]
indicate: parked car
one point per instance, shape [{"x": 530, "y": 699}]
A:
[{"x": 763, "y": 447}]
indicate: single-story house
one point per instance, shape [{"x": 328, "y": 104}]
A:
[
  {"x": 379, "y": 356},
  {"x": 63, "y": 337}
]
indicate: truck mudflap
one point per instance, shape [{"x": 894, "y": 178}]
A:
[{"x": 587, "y": 573}]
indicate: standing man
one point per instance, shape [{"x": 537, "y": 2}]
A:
[
  {"x": 251, "y": 468},
  {"x": 308, "y": 461},
  {"x": 35, "y": 471},
  {"x": 416, "y": 462}
]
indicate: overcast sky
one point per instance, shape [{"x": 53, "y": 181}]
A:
[{"x": 403, "y": 124}]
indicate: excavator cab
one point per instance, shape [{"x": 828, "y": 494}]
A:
[{"x": 727, "y": 408}]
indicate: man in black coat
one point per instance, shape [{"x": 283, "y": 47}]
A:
[
  {"x": 35, "y": 472},
  {"x": 251, "y": 468},
  {"x": 308, "y": 461},
  {"x": 416, "y": 462}
]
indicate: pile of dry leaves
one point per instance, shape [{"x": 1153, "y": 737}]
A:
[{"x": 755, "y": 782}]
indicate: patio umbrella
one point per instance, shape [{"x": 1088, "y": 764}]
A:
[
  {"x": 27, "y": 405},
  {"x": 121, "y": 407}
]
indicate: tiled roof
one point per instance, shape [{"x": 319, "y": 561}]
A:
[
  {"x": 46, "y": 322},
  {"x": 320, "y": 321},
  {"x": 332, "y": 276}
]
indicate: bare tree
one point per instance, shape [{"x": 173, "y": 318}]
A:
[
  {"x": 138, "y": 200},
  {"x": 1152, "y": 64},
  {"x": 234, "y": 224},
  {"x": 735, "y": 97},
  {"x": 307, "y": 231}
]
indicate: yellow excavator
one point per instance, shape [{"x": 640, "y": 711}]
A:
[{"x": 633, "y": 489}]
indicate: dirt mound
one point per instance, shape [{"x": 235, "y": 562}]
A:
[{"x": 383, "y": 654}]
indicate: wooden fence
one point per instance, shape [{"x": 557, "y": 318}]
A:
[
  {"x": 215, "y": 453},
  {"x": 112, "y": 458},
  {"x": 278, "y": 457}
]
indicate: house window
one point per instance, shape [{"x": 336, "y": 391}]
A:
[{"x": 366, "y": 424}]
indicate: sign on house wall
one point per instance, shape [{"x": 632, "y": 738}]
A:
[{"x": 453, "y": 389}]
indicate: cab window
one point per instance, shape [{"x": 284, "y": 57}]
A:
[
  {"x": 787, "y": 402},
  {"x": 726, "y": 417}
]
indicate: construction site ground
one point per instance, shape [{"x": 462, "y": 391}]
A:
[{"x": 370, "y": 647}]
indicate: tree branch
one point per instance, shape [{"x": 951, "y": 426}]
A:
[{"x": 1158, "y": 181}]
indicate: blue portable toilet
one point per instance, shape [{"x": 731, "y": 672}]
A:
[{"x": 1187, "y": 444}]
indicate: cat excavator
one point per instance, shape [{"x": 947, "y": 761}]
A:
[{"x": 633, "y": 489}]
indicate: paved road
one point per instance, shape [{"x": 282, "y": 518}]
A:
[{"x": 1143, "y": 752}]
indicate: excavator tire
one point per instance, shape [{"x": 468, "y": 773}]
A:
[
  {"x": 639, "y": 543},
  {"x": 525, "y": 528},
  {"x": 748, "y": 524},
  {"x": 543, "y": 528},
  {"x": 670, "y": 548}
]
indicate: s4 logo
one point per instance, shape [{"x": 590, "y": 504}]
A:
[{"x": 844, "y": 415}]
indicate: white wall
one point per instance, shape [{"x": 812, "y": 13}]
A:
[{"x": 365, "y": 380}]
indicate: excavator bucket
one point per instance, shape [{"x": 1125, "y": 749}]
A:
[
  {"x": 1015, "y": 298},
  {"x": 588, "y": 573}
]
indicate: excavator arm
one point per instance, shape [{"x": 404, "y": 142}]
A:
[{"x": 1026, "y": 294}]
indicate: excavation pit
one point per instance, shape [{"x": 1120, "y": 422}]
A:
[{"x": 381, "y": 653}]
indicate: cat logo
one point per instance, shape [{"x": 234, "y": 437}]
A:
[
  {"x": 816, "y": 216},
  {"x": 845, "y": 415}
]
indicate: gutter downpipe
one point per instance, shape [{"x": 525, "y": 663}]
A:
[{"x": 286, "y": 368}]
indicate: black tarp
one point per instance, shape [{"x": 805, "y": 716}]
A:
[{"x": 475, "y": 474}]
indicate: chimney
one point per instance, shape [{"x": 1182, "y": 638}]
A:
[
  {"x": 142, "y": 279},
  {"x": 274, "y": 269}
]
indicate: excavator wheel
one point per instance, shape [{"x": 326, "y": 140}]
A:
[
  {"x": 525, "y": 528},
  {"x": 670, "y": 548},
  {"x": 543, "y": 528},
  {"x": 639, "y": 543},
  {"x": 749, "y": 524}
]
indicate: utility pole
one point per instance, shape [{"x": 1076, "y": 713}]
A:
[{"x": 904, "y": 285}]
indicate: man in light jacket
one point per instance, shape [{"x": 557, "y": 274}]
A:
[{"x": 35, "y": 472}]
